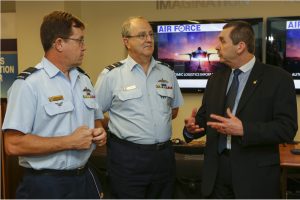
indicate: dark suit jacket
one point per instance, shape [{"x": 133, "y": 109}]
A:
[{"x": 268, "y": 111}]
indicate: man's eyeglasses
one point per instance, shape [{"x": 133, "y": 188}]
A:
[
  {"x": 80, "y": 41},
  {"x": 142, "y": 36}
]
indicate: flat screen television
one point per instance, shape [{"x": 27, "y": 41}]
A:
[
  {"x": 189, "y": 47},
  {"x": 283, "y": 45}
]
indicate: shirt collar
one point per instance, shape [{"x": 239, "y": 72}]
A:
[
  {"x": 52, "y": 70},
  {"x": 131, "y": 63},
  {"x": 248, "y": 66},
  {"x": 49, "y": 67}
]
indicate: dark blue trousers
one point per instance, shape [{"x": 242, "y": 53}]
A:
[
  {"x": 57, "y": 186},
  {"x": 223, "y": 188},
  {"x": 136, "y": 172}
]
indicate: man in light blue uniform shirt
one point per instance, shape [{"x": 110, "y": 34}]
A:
[
  {"x": 50, "y": 118},
  {"x": 141, "y": 96}
]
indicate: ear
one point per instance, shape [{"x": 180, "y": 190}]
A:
[
  {"x": 125, "y": 42},
  {"x": 241, "y": 47},
  {"x": 58, "y": 44}
]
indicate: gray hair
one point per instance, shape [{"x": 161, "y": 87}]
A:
[{"x": 127, "y": 23}]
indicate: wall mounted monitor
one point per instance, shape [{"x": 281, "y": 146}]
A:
[
  {"x": 283, "y": 45},
  {"x": 189, "y": 47}
]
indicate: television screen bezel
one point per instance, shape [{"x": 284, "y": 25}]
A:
[{"x": 269, "y": 31}]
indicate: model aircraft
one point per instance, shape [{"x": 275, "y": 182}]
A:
[{"x": 199, "y": 53}]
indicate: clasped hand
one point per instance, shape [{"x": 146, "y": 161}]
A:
[
  {"x": 83, "y": 137},
  {"x": 99, "y": 136}
]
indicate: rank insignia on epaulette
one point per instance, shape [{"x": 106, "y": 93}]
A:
[
  {"x": 112, "y": 66},
  {"x": 166, "y": 64},
  {"x": 83, "y": 72},
  {"x": 27, "y": 72}
]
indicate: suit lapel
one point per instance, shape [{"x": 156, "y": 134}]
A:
[
  {"x": 254, "y": 80},
  {"x": 218, "y": 96},
  {"x": 223, "y": 82}
]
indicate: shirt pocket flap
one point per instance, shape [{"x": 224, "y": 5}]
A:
[
  {"x": 55, "y": 108},
  {"x": 130, "y": 94},
  {"x": 165, "y": 92},
  {"x": 91, "y": 103}
]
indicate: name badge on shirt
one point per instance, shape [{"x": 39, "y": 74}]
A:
[
  {"x": 132, "y": 87},
  {"x": 56, "y": 98}
]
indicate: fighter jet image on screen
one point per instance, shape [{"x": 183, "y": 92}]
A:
[
  {"x": 191, "y": 52},
  {"x": 199, "y": 54}
]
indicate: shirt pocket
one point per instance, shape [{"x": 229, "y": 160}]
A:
[
  {"x": 91, "y": 103},
  {"x": 55, "y": 108},
  {"x": 129, "y": 94},
  {"x": 165, "y": 98}
]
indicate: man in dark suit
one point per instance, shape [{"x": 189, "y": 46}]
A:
[{"x": 244, "y": 116}]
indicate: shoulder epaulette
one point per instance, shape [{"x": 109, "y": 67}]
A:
[
  {"x": 112, "y": 66},
  {"x": 166, "y": 64},
  {"x": 82, "y": 71},
  {"x": 27, "y": 72}
]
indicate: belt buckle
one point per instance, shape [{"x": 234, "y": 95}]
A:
[
  {"x": 160, "y": 146},
  {"x": 79, "y": 170}
]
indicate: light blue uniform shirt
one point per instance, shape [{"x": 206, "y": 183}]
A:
[
  {"x": 139, "y": 105},
  {"x": 32, "y": 109}
]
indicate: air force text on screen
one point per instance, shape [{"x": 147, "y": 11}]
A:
[
  {"x": 293, "y": 24},
  {"x": 189, "y": 28}
]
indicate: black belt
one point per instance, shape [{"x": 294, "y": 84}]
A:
[
  {"x": 56, "y": 172},
  {"x": 157, "y": 146}
]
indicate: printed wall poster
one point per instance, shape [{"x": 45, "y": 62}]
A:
[{"x": 9, "y": 64}]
